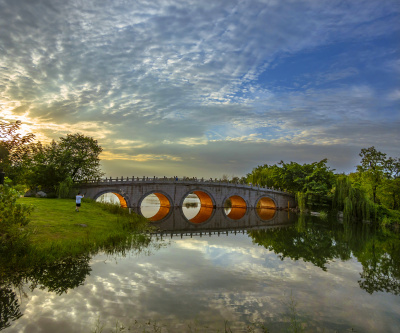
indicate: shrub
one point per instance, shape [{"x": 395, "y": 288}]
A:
[{"x": 13, "y": 217}]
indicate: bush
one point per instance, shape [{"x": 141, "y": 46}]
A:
[
  {"x": 13, "y": 217},
  {"x": 65, "y": 188}
]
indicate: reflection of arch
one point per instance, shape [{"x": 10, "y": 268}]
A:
[
  {"x": 206, "y": 207},
  {"x": 122, "y": 200},
  {"x": 266, "y": 214},
  {"x": 238, "y": 207},
  {"x": 165, "y": 206}
]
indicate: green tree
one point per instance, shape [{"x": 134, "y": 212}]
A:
[
  {"x": 75, "y": 156},
  {"x": 13, "y": 217},
  {"x": 15, "y": 150},
  {"x": 311, "y": 182},
  {"x": 372, "y": 168},
  {"x": 389, "y": 193},
  {"x": 318, "y": 184}
]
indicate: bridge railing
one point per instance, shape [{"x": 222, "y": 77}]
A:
[{"x": 172, "y": 180}]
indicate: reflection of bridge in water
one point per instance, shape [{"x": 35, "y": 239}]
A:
[
  {"x": 171, "y": 194},
  {"x": 176, "y": 224}
]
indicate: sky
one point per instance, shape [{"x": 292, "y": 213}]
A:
[{"x": 202, "y": 88}]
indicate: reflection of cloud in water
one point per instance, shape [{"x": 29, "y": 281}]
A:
[{"x": 211, "y": 279}]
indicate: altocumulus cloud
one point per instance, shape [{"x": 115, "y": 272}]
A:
[{"x": 204, "y": 88}]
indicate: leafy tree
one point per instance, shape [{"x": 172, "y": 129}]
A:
[
  {"x": 372, "y": 168},
  {"x": 75, "y": 156},
  {"x": 13, "y": 217},
  {"x": 15, "y": 150},
  {"x": 312, "y": 182},
  {"x": 350, "y": 198},
  {"x": 389, "y": 193}
]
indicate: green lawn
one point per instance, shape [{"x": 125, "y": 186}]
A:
[{"x": 56, "y": 230}]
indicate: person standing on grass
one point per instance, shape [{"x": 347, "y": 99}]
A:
[{"x": 78, "y": 201}]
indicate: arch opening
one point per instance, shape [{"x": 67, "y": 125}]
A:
[
  {"x": 266, "y": 208},
  {"x": 204, "y": 209},
  {"x": 155, "y": 207},
  {"x": 113, "y": 198},
  {"x": 235, "y": 207}
]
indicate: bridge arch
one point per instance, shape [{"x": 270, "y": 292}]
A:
[
  {"x": 165, "y": 205},
  {"x": 238, "y": 207},
  {"x": 123, "y": 198},
  {"x": 265, "y": 201},
  {"x": 265, "y": 208},
  {"x": 207, "y": 205}
]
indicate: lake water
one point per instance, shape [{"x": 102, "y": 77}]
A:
[{"x": 240, "y": 273}]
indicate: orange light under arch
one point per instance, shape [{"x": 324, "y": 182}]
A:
[
  {"x": 122, "y": 200},
  {"x": 238, "y": 207},
  {"x": 206, "y": 208}
]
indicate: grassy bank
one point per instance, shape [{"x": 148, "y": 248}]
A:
[{"x": 57, "y": 231}]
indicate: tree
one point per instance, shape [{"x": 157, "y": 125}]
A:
[
  {"x": 312, "y": 182},
  {"x": 390, "y": 189},
  {"x": 372, "y": 168},
  {"x": 75, "y": 156},
  {"x": 13, "y": 216},
  {"x": 318, "y": 184},
  {"x": 15, "y": 149}
]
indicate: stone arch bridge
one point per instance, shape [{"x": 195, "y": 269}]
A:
[{"x": 172, "y": 192}]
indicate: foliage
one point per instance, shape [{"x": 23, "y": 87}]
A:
[
  {"x": 312, "y": 183},
  {"x": 372, "y": 167},
  {"x": 75, "y": 156},
  {"x": 65, "y": 188},
  {"x": 13, "y": 217},
  {"x": 16, "y": 150},
  {"x": 380, "y": 177},
  {"x": 352, "y": 200},
  {"x": 301, "y": 201}
]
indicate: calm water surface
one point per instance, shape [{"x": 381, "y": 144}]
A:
[{"x": 335, "y": 278}]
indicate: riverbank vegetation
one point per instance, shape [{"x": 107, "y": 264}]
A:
[{"x": 371, "y": 193}]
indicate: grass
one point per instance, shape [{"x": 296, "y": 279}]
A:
[{"x": 57, "y": 231}]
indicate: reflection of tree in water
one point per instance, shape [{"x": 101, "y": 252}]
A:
[
  {"x": 310, "y": 242},
  {"x": 381, "y": 266},
  {"x": 320, "y": 243},
  {"x": 9, "y": 306},
  {"x": 59, "y": 278},
  {"x": 63, "y": 275}
]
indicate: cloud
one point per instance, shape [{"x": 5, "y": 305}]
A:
[{"x": 151, "y": 76}]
